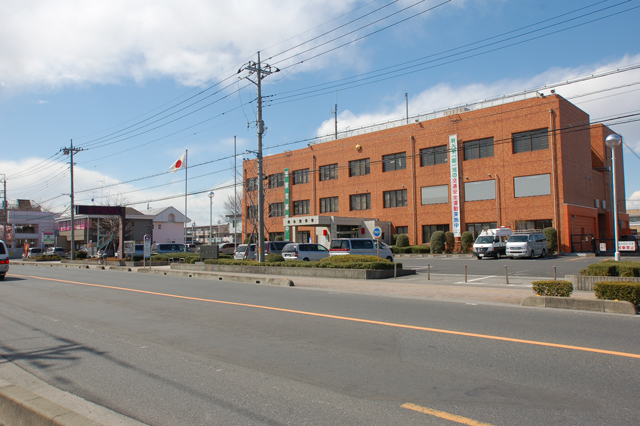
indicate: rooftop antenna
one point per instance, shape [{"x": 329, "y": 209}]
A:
[
  {"x": 335, "y": 114},
  {"x": 406, "y": 98}
]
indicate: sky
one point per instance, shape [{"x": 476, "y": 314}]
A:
[{"x": 133, "y": 85}]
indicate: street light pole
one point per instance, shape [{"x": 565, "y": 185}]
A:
[
  {"x": 613, "y": 141},
  {"x": 211, "y": 194}
]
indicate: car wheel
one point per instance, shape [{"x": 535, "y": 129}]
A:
[
  {"x": 479, "y": 258},
  {"x": 1, "y": 277},
  {"x": 533, "y": 254},
  {"x": 544, "y": 253},
  {"x": 390, "y": 259},
  {"x": 498, "y": 255},
  {"x": 306, "y": 259}
]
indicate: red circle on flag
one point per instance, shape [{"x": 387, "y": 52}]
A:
[{"x": 178, "y": 164}]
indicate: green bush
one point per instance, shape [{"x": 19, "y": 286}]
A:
[
  {"x": 451, "y": 241},
  {"x": 279, "y": 238},
  {"x": 49, "y": 257},
  {"x": 467, "y": 241},
  {"x": 419, "y": 249},
  {"x": 438, "y": 241},
  {"x": 611, "y": 268},
  {"x": 403, "y": 240},
  {"x": 340, "y": 262},
  {"x": 273, "y": 257},
  {"x": 552, "y": 239},
  {"x": 553, "y": 288},
  {"x": 81, "y": 255},
  {"x": 612, "y": 290}
]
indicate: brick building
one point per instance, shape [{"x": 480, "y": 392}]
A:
[{"x": 525, "y": 164}]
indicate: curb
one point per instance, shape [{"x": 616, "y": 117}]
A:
[
  {"x": 285, "y": 282},
  {"x": 598, "y": 305},
  {"x": 20, "y": 407}
]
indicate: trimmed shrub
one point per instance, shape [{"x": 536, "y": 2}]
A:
[
  {"x": 451, "y": 241},
  {"x": 394, "y": 238},
  {"x": 339, "y": 262},
  {"x": 553, "y": 288},
  {"x": 552, "y": 239},
  {"x": 403, "y": 240},
  {"x": 438, "y": 241},
  {"x": 273, "y": 257},
  {"x": 612, "y": 290},
  {"x": 467, "y": 241},
  {"x": 419, "y": 249},
  {"x": 81, "y": 255},
  {"x": 611, "y": 268},
  {"x": 49, "y": 257},
  {"x": 279, "y": 238}
]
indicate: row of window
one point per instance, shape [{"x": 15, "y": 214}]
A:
[{"x": 482, "y": 148}]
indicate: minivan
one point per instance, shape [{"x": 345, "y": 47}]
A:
[
  {"x": 167, "y": 248},
  {"x": 276, "y": 247},
  {"x": 304, "y": 251},
  {"x": 59, "y": 251},
  {"x": 4, "y": 260},
  {"x": 245, "y": 251},
  {"x": 33, "y": 252},
  {"x": 365, "y": 246},
  {"x": 527, "y": 245}
]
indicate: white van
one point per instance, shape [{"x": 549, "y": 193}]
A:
[
  {"x": 527, "y": 245},
  {"x": 366, "y": 246},
  {"x": 492, "y": 243}
]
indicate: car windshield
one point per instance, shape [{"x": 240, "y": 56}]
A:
[
  {"x": 518, "y": 239},
  {"x": 486, "y": 239},
  {"x": 289, "y": 247},
  {"x": 242, "y": 249}
]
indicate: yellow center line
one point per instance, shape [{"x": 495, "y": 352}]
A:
[
  {"x": 444, "y": 415},
  {"x": 352, "y": 319}
]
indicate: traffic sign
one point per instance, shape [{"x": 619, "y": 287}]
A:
[{"x": 377, "y": 232}]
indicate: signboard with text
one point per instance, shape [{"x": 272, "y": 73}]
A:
[
  {"x": 455, "y": 189},
  {"x": 626, "y": 246}
]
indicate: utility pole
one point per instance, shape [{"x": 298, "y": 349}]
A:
[
  {"x": 70, "y": 151},
  {"x": 261, "y": 71},
  {"x": 335, "y": 116},
  {"x": 4, "y": 207}
]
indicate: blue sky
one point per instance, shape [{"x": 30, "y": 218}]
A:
[{"x": 135, "y": 84}]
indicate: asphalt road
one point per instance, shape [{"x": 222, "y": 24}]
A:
[
  {"x": 173, "y": 351},
  {"x": 538, "y": 267}
]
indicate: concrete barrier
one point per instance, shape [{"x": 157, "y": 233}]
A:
[
  {"x": 598, "y": 305},
  {"x": 250, "y": 279},
  {"x": 21, "y": 407},
  {"x": 586, "y": 283}
]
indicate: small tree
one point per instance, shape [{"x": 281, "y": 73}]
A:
[
  {"x": 279, "y": 238},
  {"x": 467, "y": 241},
  {"x": 402, "y": 240},
  {"x": 451, "y": 241},
  {"x": 552, "y": 239},
  {"x": 438, "y": 241}
]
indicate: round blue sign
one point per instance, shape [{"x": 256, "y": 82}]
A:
[{"x": 377, "y": 232}]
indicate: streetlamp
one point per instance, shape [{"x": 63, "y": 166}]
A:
[
  {"x": 210, "y": 215},
  {"x": 613, "y": 141}
]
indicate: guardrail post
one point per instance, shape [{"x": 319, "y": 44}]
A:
[
  {"x": 506, "y": 274},
  {"x": 395, "y": 270},
  {"x": 465, "y": 273},
  {"x": 554, "y": 273},
  {"x": 428, "y": 271}
]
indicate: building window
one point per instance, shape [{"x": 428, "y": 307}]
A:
[
  {"x": 532, "y": 186},
  {"x": 329, "y": 205},
  {"x": 301, "y": 176},
  {"x": 428, "y": 230},
  {"x": 402, "y": 230},
  {"x": 329, "y": 172},
  {"x": 483, "y": 190},
  {"x": 394, "y": 162},
  {"x": 276, "y": 210},
  {"x": 433, "y": 156},
  {"x": 435, "y": 194},
  {"x": 276, "y": 180},
  {"x": 300, "y": 207},
  {"x": 530, "y": 225},
  {"x": 361, "y": 202},
  {"x": 274, "y": 235},
  {"x": 481, "y": 148},
  {"x": 477, "y": 228},
  {"x": 252, "y": 184},
  {"x": 534, "y": 140},
  {"x": 359, "y": 167},
  {"x": 395, "y": 198},
  {"x": 159, "y": 226},
  {"x": 252, "y": 212}
]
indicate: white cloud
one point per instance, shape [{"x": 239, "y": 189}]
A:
[{"x": 52, "y": 44}]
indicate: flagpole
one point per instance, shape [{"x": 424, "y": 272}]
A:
[{"x": 186, "y": 166}]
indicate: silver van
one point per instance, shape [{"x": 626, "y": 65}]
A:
[
  {"x": 527, "y": 245},
  {"x": 4, "y": 260},
  {"x": 365, "y": 246},
  {"x": 245, "y": 251}
]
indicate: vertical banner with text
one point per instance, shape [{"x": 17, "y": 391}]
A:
[
  {"x": 286, "y": 202},
  {"x": 455, "y": 189}
]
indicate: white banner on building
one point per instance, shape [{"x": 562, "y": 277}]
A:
[{"x": 455, "y": 188}]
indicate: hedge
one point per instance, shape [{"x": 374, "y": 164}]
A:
[
  {"x": 48, "y": 257},
  {"x": 338, "y": 262},
  {"x": 420, "y": 249},
  {"x": 611, "y": 268},
  {"x": 612, "y": 290},
  {"x": 553, "y": 288}
]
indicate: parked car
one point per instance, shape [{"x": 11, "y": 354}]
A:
[
  {"x": 57, "y": 251},
  {"x": 245, "y": 251},
  {"x": 33, "y": 252},
  {"x": 492, "y": 243},
  {"x": 276, "y": 247},
  {"x": 4, "y": 260},
  {"x": 527, "y": 245},
  {"x": 304, "y": 251},
  {"x": 167, "y": 248},
  {"x": 227, "y": 248},
  {"x": 365, "y": 246}
]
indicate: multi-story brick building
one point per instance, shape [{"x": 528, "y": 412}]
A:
[{"x": 525, "y": 164}]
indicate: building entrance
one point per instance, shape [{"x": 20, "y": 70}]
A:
[{"x": 347, "y": 231}]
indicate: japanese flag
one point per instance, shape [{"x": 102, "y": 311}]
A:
[{"x": 180, "y": 163}]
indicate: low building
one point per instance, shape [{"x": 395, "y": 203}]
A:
[
  {"x": 28, "y": 224},
  {"x": 527, "y": 163}
]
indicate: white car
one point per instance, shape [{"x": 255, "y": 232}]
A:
[
  {"x": 4, "y": 260},
  {"x": 245, "y": 251},
  {"x": 366, "y": 246},
  {"x": 304, "y": 251},
  {"x": 227, "y": 248},
  {"x": 527, "y": 245}
]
